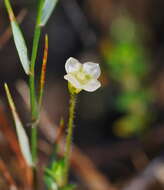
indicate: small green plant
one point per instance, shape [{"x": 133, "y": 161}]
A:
[{"x": 79, "y": 76}]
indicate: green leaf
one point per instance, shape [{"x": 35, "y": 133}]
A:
[
  {"x": 56, "y": 172},
  {"x": 50, "y": 183},
  {"x": 43, "y": 71},
  {"x": 22, "y": 136},
  {"x": 58, "y": 169},
  {"x": 18, "y": 39},
  {"x": 21, "y": 46},
  {"x": 47, "y": 10}
]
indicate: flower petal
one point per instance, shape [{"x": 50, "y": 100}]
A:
[
  {"x": 92, "y": 69},
  {"x": 72, "y": 65},
  {"x": 92, "y": 85},
  {"x": 73, "y": 81}
]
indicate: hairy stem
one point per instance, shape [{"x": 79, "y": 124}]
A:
[{"x": 69, "y": 135}]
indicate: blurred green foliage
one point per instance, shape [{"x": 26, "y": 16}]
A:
[{"x": 128, "y": 66}]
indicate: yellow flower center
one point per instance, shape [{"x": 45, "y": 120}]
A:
[{"x": 82, "y": 77}]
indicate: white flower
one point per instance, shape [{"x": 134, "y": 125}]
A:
[{"x": 82, "y": 76}]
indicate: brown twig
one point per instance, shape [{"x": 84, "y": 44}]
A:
[
  {"x": 11, "y": 138},
  {"x": 126, "y": 149},
  {"x": 5, "y": 37},
  {"x": 7, "y": 176},
  {"x": 60, "y": 132},
  {"x": 145, "y": 179}
]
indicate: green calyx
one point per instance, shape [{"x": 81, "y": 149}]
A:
[{"x": 72, "y": 89}]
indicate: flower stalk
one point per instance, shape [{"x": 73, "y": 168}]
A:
[
  {"x": 72, "y": 106},
  {"x": 79, "y": 77}
]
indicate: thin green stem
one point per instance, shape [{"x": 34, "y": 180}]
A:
[
  {"x": 69, "y": 135},
  {"x": 34, "y": 109},
  {"x": 10, "y": 11},
  {"x": 33, "y": 99},
  {"x": 8, "y": 6}
]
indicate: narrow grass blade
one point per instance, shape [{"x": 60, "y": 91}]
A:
[
  {"x": 18, "y": 39},
  {"x": 43, "y": 71},
  {"x": 47, "y": 10},
  {"x": 22, "y": 136}
]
